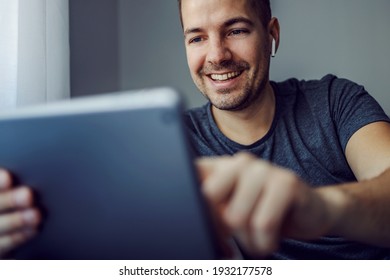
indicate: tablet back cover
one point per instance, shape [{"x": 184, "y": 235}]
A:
[{"x": 114, "y": 183}]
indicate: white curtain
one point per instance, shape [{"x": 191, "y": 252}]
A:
[{"x": 34, "y": 51}]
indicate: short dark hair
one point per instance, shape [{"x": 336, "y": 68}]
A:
[{"x": 262, "y": 8}]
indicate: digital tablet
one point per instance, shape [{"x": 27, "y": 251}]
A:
[{"x": 113, "y": 175}]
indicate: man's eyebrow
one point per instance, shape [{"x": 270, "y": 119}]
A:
[
  {"x": 192, "y": 30},
  {"x": 235, "y": 20},
  {"x": 227, "y": 23}
]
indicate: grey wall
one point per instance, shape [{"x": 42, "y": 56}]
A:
[
  {"x": 349, "y": 38},
  {"x": 94, "y": 50},
  {"x": 152, "y": 47}
]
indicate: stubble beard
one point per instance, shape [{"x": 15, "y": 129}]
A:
[{"x": 234, "y": 99}]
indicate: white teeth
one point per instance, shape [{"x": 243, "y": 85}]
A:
[{"x": 224, "y": 77}]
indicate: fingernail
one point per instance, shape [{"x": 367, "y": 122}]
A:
[
  {"x": 21, "y": 197},
  {"x": 30, "y": 216}
]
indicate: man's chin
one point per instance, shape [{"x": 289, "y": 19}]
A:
[
  {"x": 227, "y": 105},
  {"x": 229, "y": 101}
]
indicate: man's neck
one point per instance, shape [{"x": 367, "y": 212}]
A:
[{"x": 251, "y": 124}]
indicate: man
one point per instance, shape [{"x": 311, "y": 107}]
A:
[
  {"x": 326, "y": 193},
  {"x": 316, "y": 134}
]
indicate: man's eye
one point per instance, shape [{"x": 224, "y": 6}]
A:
[
  {"x": 195, "y": 40},
  {"x": 238, "y": 32}
]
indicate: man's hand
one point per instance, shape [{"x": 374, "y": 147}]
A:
[
  {"x": 18, "y": 218},
  {"x": 261, "y": 203}
]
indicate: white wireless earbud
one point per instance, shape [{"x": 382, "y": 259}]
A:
[{"x": 273, "y": 50}]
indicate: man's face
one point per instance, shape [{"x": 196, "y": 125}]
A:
[{"x": 228, "y": 51}]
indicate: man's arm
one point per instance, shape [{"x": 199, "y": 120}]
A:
[
  {"x": 262, "y": 203},
  {"x": 362, "y": 210},
  {"x": 368, "y": 150},
  {"x": 367, "y": 205}
]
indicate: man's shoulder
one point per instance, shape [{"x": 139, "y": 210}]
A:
[
  {"x": 294, "y": 85},
  {"x": 329, "y": 82},
  {"x": 328, "y": 89}
]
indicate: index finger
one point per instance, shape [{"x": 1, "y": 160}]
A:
[{"x": 5, "y": 179}]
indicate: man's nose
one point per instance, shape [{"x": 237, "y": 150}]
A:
[{"x": 218, "y": 52}]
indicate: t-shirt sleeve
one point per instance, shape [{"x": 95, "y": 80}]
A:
[{"x": 352, "y": 107}]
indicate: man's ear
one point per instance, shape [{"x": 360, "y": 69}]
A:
[{"x": 274, "y": 35}]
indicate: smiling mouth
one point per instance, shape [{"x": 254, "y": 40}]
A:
[{"x": 225, "y": 77}]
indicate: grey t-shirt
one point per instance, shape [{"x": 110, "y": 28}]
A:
[{"x": 312, "y": 125}]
